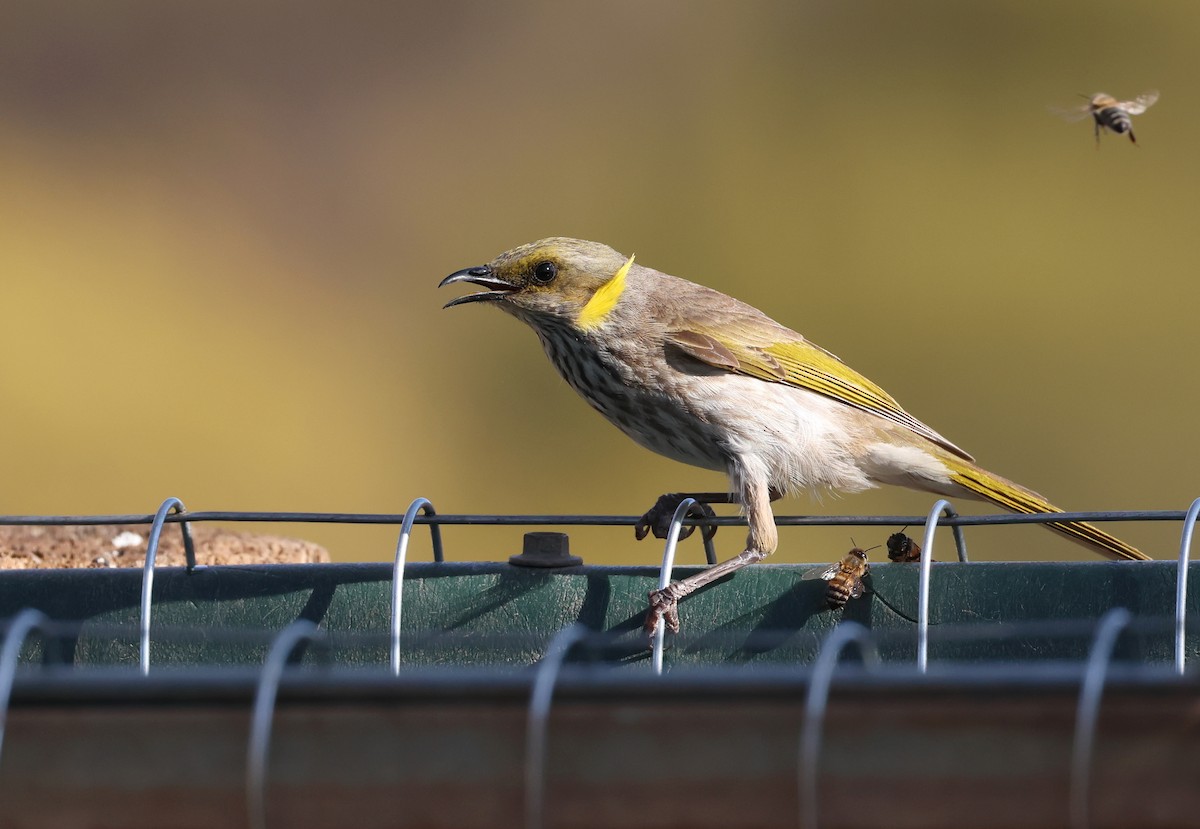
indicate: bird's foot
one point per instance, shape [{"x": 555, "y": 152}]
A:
[
  {"x": 664, "y": 607},
  {"x": 658, "y": 518}
]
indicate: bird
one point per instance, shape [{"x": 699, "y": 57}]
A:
[{"x": 705, "y": 379}]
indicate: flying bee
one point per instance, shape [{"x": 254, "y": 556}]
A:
[
  {"x": 902, "y": 548},
  {"x": 1110, "y": 114},
  {"x": 845, "y": 578}
]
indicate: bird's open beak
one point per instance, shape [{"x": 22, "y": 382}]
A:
[{"x": 482, "y": 275}]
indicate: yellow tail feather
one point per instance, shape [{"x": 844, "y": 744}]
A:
[{"x": 1018, "y": 499}]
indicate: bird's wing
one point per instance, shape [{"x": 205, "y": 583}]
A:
[{"x": 794, "y": 361}]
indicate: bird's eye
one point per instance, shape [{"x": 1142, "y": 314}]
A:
[{"x": 544, "y": 272}]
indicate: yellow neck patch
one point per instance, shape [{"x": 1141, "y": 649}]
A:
[{"x": 604, "y": 300}]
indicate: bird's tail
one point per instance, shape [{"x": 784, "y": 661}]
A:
[{"x": 1017, "y": 498}]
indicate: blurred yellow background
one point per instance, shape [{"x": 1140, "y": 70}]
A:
[{"x": 223, "y": 225}]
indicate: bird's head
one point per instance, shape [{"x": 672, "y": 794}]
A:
[{"x": 569, "y": 281}]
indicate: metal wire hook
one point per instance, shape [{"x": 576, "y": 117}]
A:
[
  {"x": 539, "y": 715},
  {"x": 398, "y": 569},
  {"x": 1181, "y": 574},
  {"x": 664, "y": 578},
  {"x": 815, "y": 702},
  {"x": 302, "y": 630},
  {"x": 19, "y": 628},
  {"x": 923, "y": 584},
  {"x": 710, "y": 549},
  {"x": 189, "y": 551},
  {"x": 1088, "y": 709},
  {"x": 960, "y": 540}
]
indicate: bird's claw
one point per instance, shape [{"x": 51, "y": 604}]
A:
[
  {"x": 658, "y": 518},
  {"x": 664, "y": 606}
]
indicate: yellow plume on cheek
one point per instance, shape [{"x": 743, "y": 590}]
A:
[{"x": 604, "y": 300}]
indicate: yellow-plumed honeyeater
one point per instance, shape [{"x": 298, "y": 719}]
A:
[{"x": 700, "y": 377}]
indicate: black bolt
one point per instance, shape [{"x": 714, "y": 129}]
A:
[{"x": 546, "y": 549}]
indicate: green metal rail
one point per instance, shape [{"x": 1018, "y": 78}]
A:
[{"x": 470, "y": 614}]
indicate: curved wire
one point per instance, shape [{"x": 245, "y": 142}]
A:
[
  {"x": 815, "y": 702},
  {"x": 19, "y": 628},
  {"x": 1181, "y": 574},
  {"x": 410, "y": 516},
  {"x": 1088, "y": 709},
  {"x": 302, "y": 630},
  {"x": 189, "y": 551},
  {"x": 931, "y": 523},
  {"x": 664, "y": 578},
  {"x": 539, "y": 715}
]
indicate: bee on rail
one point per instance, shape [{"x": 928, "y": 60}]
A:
[
  {"x": 845, "y": 578},
  {"x": 902, "y": 548}
]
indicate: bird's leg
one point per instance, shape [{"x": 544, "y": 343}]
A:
[
  {"x": 663, "y": 602},
  {"x": 761, "y": 542},
  {"x": 657, "y": 519}
]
